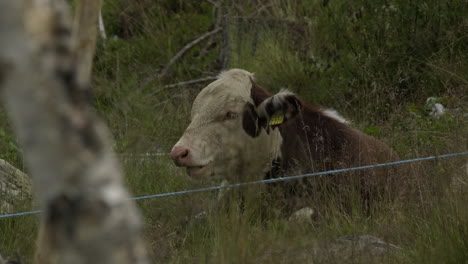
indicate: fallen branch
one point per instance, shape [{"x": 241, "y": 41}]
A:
[
  {"x": 184, "y": 83},
  {"x": 272, "y": 19},
  {"x": 184, "y": 50}
]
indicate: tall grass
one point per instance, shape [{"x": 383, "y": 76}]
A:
[{"x": 374, "y": 61}]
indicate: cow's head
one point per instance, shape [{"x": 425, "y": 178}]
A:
[{"x": 233, "y": 134}]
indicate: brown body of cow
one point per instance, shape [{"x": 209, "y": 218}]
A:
[{"x": 232, "y": 137}]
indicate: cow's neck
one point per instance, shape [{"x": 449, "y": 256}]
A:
[
  {"x": 310, "y": 137},
  {"x": 262, "y": 150}
]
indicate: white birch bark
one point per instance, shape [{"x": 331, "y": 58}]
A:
[
  {"x": 88, "y": 217},
  {"x": 102, "y": 28},
  {"x": 85, "y": 28}
]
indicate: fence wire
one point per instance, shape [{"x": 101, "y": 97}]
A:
[{"x": 266, "y": 181}]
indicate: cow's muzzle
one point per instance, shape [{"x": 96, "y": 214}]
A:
[{"x": 181, "y": 156}]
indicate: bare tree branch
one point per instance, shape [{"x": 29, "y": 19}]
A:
[
  {"x": 216, "y": 4},
  {"x": 88, "y": 217},
  {"x": 225, "y": 50},
  {"x": 217, "y": 15},
  {"x": 190, "y": 82},
  {"x": 186, "y": 48}
]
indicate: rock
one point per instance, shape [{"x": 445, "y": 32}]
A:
[
  {"x": 15, "y": 186},
  {"x": 9, "y": 261},
  {"x": 345, "y": 249},
  {"x": 361, "y": 248},
  {"x": 436, "y": 108},
  {"x": 305, "y": 214},
  {"x": 201, "y": 215}
]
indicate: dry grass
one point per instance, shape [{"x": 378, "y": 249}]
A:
[{"x": 375, "y": 65}]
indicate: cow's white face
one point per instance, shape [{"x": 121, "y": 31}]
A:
[{"x": 216, "y": 143}]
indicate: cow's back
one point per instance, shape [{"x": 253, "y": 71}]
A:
[{"x": 315, "y": 142}]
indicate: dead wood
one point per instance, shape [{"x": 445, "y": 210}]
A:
[
  {"x": 184, "y": 50},
  {"x": 185, "y": 83}
]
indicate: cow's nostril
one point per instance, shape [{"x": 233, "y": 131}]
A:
[{"x": 180, "y": 155}]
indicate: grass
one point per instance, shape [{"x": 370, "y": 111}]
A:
[{"x": 376, "y": 62}]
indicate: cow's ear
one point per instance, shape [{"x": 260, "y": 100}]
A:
[
  {"x": 250, "y": 120},
  {"x": 278, "y": 109}
]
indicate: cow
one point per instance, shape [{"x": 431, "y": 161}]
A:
[{"x": 239, "y": 132}]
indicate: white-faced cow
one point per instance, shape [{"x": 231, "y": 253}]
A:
[{"x": 239, "y": 131}]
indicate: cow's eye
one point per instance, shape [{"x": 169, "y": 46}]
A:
[{"x": 230, "y": 116}]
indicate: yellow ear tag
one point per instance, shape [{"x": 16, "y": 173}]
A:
[{"x": 277, "y": 119}]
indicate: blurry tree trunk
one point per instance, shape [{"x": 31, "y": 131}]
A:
[
  {"x": 88, "y": 217},
  {"x": 85, "y": 29}
]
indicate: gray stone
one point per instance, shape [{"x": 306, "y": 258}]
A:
[
  {"x": 15, "y": 186},
  {"x": 305, "y": 214},
  {"x": 344, "y": 249},
  {"x": 358, "y": 247}
]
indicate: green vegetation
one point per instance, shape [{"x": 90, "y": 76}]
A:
[{"x": 375, "y": 61}]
